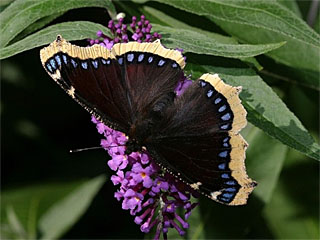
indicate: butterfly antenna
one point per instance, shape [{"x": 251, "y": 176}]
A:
[
  {"x": 84, "y": 149},
  {"x": 92, "y": 148}
]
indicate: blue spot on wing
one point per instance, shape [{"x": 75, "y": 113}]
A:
[
  {"x": 130, "y": 57},
  {"x": 84, "y": 65},
  {"x": 140, "y": 57}
]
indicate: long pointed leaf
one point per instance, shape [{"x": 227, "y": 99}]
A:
[
  {"x": 69, "y": 30},
  {"x": 258, "y": 22},
  {"x": 196, "y": 42},
  {"x": 22, "y": 13}
]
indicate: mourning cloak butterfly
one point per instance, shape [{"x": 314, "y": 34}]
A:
[{"x": 130, "y": 88}]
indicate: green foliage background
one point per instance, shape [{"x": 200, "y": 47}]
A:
[{"x": 265, "y": 46}]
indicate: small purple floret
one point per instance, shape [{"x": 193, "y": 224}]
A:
[{"x": 152, "y": 196}]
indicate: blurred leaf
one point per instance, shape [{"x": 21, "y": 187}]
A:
[
  {"x": 265, "y": 157},
  {"x": 15, "y": 224},
  {"x": 174, "y": 23},
  {"x": 195, "y": 42},
  {"x": 285, "y": 218},
  {"x": 63, "y": 214},
  {"x": 258, "y": 22},
  {"x": 22, "y": 13},
  {"x": 69, "y": 30},
  {"x": 25, "y": 199},
  {"x": 197, "y": 222},
  {"x": 291, "y": 5},
  {"x": 265, "y": 109}
]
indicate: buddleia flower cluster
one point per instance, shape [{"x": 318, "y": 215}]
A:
[{"x": 153, "y": 196}]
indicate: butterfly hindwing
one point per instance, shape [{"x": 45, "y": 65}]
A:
[{"x": 198, "y": 141}]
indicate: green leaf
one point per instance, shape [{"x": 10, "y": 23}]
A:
[
  {"x": 69, "y": 30},
  {"x": 265, "y": 109},
  {"x": 63, "y": 214},
  {"x": 34, "y": 200},
  {"x": 291, "y": 5},
  {"x": 258, "y": 22},
  {"x": 265, "y": 157},
  {"x": 162, "y": 17},
  {"x": 22, "y": 13},
  {"x": 288, "y": 219},
  {"x": 195, "y": 42}
]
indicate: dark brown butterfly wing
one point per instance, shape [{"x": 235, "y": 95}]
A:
[
  {"x": 118, "y": 85},
  {"x": 198, "y": 141}
]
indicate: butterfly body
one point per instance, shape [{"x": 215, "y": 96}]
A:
[{"x": 195, "y": 136}]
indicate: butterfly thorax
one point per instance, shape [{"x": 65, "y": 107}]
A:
[{"x": 142, "y": 130}]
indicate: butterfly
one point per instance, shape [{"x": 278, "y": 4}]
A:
[{"x": 130, "y": 88}]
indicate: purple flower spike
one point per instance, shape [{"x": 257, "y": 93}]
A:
[{"x": 152, "y": 196}]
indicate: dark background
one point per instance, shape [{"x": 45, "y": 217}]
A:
[{"x": 40, "y": 124}]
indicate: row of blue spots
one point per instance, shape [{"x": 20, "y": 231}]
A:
[
  {"x": 225, "y": 142},
  {"x": 131, "y": 57}
]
